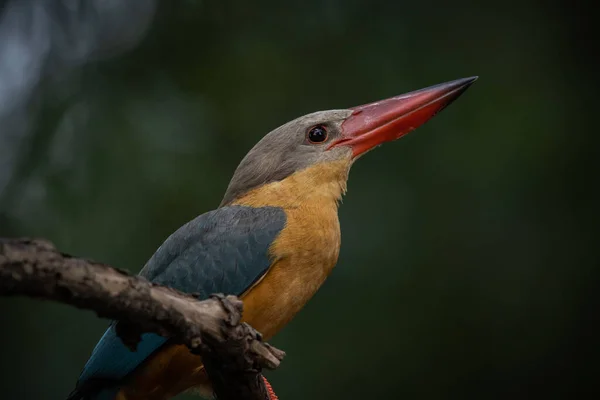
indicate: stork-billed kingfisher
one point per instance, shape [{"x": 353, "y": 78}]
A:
[{"x": 273, "y": 240}]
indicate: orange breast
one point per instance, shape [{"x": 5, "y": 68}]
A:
[{"x": 308, "y": 249}]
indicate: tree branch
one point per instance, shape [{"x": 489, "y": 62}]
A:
[{"x": 233, "y": 352}]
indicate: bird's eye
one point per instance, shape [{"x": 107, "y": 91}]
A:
[{"x": 317, "y": 134}]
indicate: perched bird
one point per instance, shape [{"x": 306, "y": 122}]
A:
[{"x": 272, "y": 241}]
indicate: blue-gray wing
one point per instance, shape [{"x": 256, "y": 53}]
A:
[{"x": 222, "y": 251}]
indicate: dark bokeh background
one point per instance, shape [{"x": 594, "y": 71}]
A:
[{"x": 469, "y": 265}]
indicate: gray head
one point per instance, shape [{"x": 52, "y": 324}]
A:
[
  {"x": 331, "y": 135},
  {"x": 292, "y": 147}
]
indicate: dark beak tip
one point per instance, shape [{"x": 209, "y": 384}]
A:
[
  {"x": 462, "y": 83},
  {"x": 456, "y": 88},
  {"x": 469, "y": 81}
]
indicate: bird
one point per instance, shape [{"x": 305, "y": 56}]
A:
[{"x": 273, "y": 240}]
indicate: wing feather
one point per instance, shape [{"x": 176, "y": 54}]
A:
[{"x": 222, "y": 251}]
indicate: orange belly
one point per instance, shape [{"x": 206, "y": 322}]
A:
[{"x": 268, "y": 307}]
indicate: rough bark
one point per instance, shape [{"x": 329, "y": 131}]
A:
[{"x": 233, "y": 352}]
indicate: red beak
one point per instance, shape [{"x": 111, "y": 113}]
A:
[{"x": 383, "y": 121}]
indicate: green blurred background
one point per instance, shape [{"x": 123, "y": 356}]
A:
[{"x": 468, "y": 267}]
